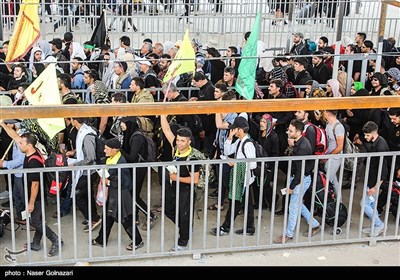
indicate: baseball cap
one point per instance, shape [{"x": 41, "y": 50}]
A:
[
  {"x": 298, "y": 34},
  {"x": 240, "y": 122}
]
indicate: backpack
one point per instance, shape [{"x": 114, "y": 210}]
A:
[
  {"x": 311, "y": 45},
  {"x": 196, "y": 154},
  {"x": 321, "y": 143},
  {"x": 260, "y": 153},
  {"x": 290, "y": 90},
  {"x": 56, "y": 160},
  {"x": 150, "y": 154},
  {"x": 100, "y": 144},
  {"x": 146, "y": 125},
  {"x": 349, "y": 148}
]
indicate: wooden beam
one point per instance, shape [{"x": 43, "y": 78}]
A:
[
  {"x": 393, "y": 3},
  {"x": 197, "y": 107},
  {"x": 382, "y": 21}
]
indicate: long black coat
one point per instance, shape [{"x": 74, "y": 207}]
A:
[{"x": 126, "y": 195}]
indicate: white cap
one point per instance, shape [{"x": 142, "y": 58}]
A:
[{"x": 144, "y": 61}]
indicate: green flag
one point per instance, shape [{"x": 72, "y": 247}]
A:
[{"x": 247, "y": 68}]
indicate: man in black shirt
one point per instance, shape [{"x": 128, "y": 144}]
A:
[
  {"x": 34, "y": 159},
  {"x": 375, "y": 143},
  {"x": 299, "y": 183},
  {"x": 181, "y": 179}
]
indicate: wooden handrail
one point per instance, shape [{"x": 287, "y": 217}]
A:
[{"x": 197, "y": 107}]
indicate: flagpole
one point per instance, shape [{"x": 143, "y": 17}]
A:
[
  {"x": 169, "y": 83},
  {"x": 9, "y": 147},
  {"x": 105, "y": 23}
]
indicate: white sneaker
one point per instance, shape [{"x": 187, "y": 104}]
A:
[
  {"x": 178, "y": 248},
  {"x": 377, "y": 231},
  {"x": 4, "y": 195}
]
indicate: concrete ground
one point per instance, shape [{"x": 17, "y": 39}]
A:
[{"x": 383, "y": 254}]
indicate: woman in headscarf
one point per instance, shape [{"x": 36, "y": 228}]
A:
[
  {"x": 356, "y": 118},
  {"x": 46, "y": 49},
  {"x": 76, "y": 50},
  {"x": 269, "y": 140},
  {"x": 134, "y": 149},
  {"x": 332, "y": 88},
  {"x": 313, "y": 89}
]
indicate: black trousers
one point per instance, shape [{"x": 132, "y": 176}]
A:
[
  {"x": 141, "y": 204},
  {"x": 37, "y": 223},
  {"x": 238, "y": 206},
  {"x": 127, "y": 225},
  {"x": 82, "y": 196},
  {"x": 183, "y": 209}
]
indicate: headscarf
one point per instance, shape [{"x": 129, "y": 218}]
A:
[
  {"x": 358, "y": 86},
  {"x": 131, "y": 127},
  {"x": 32, "y": 56},
  {"x": 383, "y": 81},
  {"x": 77, "y": 51},
  {"x": 335, "y": 85},
  {"x": 46, "y": 49},
  {"x": 100, "y": 92},
  {"x": 269, "y": 128}
]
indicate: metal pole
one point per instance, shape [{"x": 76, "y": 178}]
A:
[
  {"x": 1, "y": 22},
  {"x": 339, "y": 29},
  {"x": 43, "y": 21},
  {"x": 379, "y": 58},
  {"x": 290, "y": 19}
]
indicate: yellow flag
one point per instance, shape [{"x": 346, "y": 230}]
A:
[
  {"x": 44, "y": 91},
  {"x": 26, "y": 31},
  {"x": 179, "y": 66}
]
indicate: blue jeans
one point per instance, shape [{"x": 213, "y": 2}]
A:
[
  {"x": 369, "y": 211},
  {"x": 295, "y": 198},
  {"x": 19, "y": 196},
  {"x": 66, "y": 204}
]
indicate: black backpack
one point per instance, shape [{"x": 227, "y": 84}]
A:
[
  {"x": 150, "y": 155},
  {"x": 260, "y": 153},
  {"x": 100, "y": 144}
]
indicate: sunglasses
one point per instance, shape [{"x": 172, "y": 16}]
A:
[{"x": 375, "y": 79}]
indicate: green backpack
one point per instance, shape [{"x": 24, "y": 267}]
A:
[{"x": 196, "y": 154}]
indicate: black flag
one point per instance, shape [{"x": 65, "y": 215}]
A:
[{"x": 100, "y": 36}]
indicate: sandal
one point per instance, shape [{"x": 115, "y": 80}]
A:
[
  {"x": 281, "y": 239},
  {"x": 215, "y": 207}
]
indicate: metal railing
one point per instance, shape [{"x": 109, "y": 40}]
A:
[{"x": 164, "y": 234}]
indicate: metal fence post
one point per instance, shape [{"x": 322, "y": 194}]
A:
[{"x": 1, "y": 22}]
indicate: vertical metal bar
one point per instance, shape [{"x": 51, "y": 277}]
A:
[
  {"x": 351, "y": 200},
  {"x": 205, "y": 212},
  {"x": 364, "y": 197},
  {"x": 162, "y": 208},
  {"x": 336, "y": 60},
  {"x": 1, "y": 23},
  {"x": 43, "y": 21},
  {"x": 379, "y": 57},
  {"x": 349, "y": 76},
  {"x": 275, "y": 182},
  {"x": 339, "y": 20}
]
